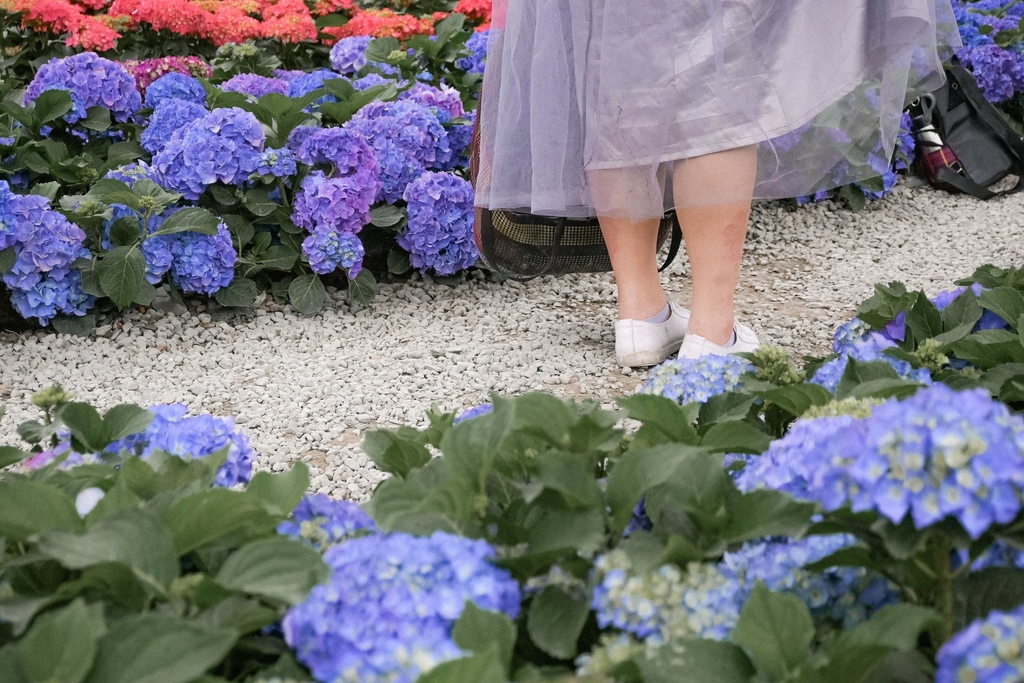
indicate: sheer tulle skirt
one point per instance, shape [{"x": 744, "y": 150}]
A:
[{"x": 588, "y": 106}]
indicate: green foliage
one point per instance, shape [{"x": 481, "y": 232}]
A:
[{"x": 165, "y": 579}]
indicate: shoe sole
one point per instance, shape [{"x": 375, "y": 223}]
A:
[{"x": 648, "y": 358}]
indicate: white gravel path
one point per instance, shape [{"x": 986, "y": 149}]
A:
[{"x": 308, "y": 388}]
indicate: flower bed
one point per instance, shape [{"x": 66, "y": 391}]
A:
[
  {"x": 764, "y": 522},
  {"x": 250, "y": 166}
]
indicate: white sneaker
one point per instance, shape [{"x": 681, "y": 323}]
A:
[
  {"x": 639, "y": 343},
  {"x": 695, "y": 346}
]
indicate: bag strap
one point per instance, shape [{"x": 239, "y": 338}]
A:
[
  {"x": 673, "y": 245},
  {"x": 987, "y": 112},
  {"x": 948, "y": 176}
]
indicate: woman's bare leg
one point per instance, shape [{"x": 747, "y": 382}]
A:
[{"x": 713, "y": 194}]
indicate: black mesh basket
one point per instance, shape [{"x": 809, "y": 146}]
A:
[{"x": 522, "y": 246}]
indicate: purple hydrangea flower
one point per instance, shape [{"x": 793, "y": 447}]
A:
[
  {"x": 347, "y": 151},
  {"x": 203, "y": 263},
  {"x": 938, "y": 454},
  {"x": 407, "y": 139},
  {"x": 370, "y": 80},
  {"x": 866, "y": 349},
  {"x": 444, "y": 100},
  {"x": 989, "y": 650},
  {"x": 328, "y": 250},
  {"x": 58, "y": 291},
  {"x": 348, "y": 55},
  {"x": 8, "y": 221},
  {"x": 999, "y": 71},
  {"x": 299, "y": 135},
  {"x": 225, "y": 146},
  {"x": 169, "y": 116},
  {"x": 389, "y": 608},
  {"x": 92, "y": 82},
  {"x": 193, "y": 437},
  {"x": 686, "y": 380},
  {"x": 175, "y": 86},
  {"x": 477, "y": 46},
  {"x": 44, "y": 240},
  {"x": 339, "y": 204},
  {"x": 254, "y": 85},
  {"x": 476, "y": 411},
  {"x": 325, "y": 522},
  {"x": 439, "y": 235}
]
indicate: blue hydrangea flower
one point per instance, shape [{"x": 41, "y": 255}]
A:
[
  {"x": 307, "y": 83},
  {"x": 325, "y": 522},
  {"x": 848, "y": 334},
  {"x": 407, "y": 139},
  {"x": 203, "y": 263},
  {"x": 254, "y": 85},
  {"x": 477, "y": 46},
  {"x": 938, "y": 454},
  {"x": 439, "y": 234},
  {"x": 990, "y": 650},
  {"x": 781, "y": 466},
  {"x": 279, "y": 163},
  {"x": 906, "y": 144},
  {"x": 370, "y": 80},
  {"x": 6, "y": 141},
  {"x": 989, "y": 320},
  {"x": 44, "y": 240},
  {"x": 387, "y": 613},
  {"x": 475, "y": 411},
  {"x": 340, "y": 204},
  {"x": 460, "y": 137},
  {"x": 347, "y": 152},
  {"x": 998, "y": 554},
  {"x": 92, "y": 82},
  {"x": 444, "y": 100},
  {"x": 348, "y": 55},
  {"x": 193, "y": 437},
  {"x": 8, "y": 221},
  {"x": 864, "y": 350},
  {"x": 225, "y": 146},
  {"x": 328, "y": 250},
  {"x": 170, "y": 116},
  {"x": 998, "y": 71},
  {"x": 58, "y": 291},
  {"x": 175, "y": 86},
  {"x": 686, "y": 380}
]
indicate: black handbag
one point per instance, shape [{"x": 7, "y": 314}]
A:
[
  {"x": 964, "y": 143},
  {"x": 522, "y": 246}
]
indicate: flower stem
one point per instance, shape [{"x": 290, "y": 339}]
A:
[{"x": 944, "y": 586}]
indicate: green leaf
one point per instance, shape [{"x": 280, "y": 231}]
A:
[
  {"x": 125, "y": 232},
  {"x": 240, "y": 293},
  {"x": 797, "y": 399},
  {"x": 158, "y": 648},
  {"x": 61, "y": 645},
  {"x": 278, "y": 257},
  {"x": 122, "y": 274},
  {"x": 775, "y": 630},
  {"x": 124, "y": 420},
  {"x": 241, "y": 230},
  {"x": 279, "y": 493},
  {"x": 637, "y": 472},
  {"x": 86, "y": 426},
  {"x": 10, "y": 455},
  {"x": 963, "y": 312},
  {"x": 706, "y": 661},
  {"x": 307, "y": 294},
  {"x": 555, "y": 621},
  {"x": 51, "y": 105},
  {"x": 132, "y": 537},
  {"x": 766, "y": 513},
  {"x": 478, "y": 630},
  {"x": 1006, "y": 302},
  {"x": 258, "y": 201},
  {"x": 883, "y": 389},
  {"x": 96, "y": 119},
  {"x": 398, "y": 262},
  {"x": 121, "y": 153},
  {"x": 110, "y": 191},
  {"x": 240, "y": 614},
  {"x": 386, "y": 215},
  {"x": 556, "y": 529},
  {"x": 204, "y": 516},
  {"x": 979, "y": 593},
  {"x": 7, "y": 258},
  {"x": 887, "y": 302},
  {"x": 362, "y": 289},
  {"x": 572, "y": 477},
  {"x": 395, "y": 452},
  {"x": 28, "y": 507},
  {"x": 924, "y": 319},
  {"x": 48, "y": 190},
  {"x": 76, "y": 325},
  {"x": 380, "y": 49},
  {"x": 989, "y": 348},
  {"x": 738, "y": 436},
  {"x": 662, "y": 415},
  {"x": 479, "y": 667},
  {"x": 278, "y": 568},
  {"x": 189, "y": 219},
  {"x": 896, "y": 627}
]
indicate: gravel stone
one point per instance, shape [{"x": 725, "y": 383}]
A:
[{"x": 309, "y": 388}]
